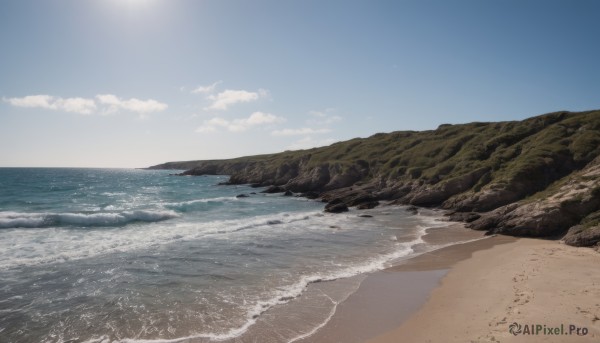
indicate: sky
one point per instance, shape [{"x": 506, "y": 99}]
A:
[{"x": 133, "y": 83}]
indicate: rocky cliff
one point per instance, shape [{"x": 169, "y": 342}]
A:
[{"x": 536, "y": 177}]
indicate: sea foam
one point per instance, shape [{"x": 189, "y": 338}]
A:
[{"x": 42, "y": 220}]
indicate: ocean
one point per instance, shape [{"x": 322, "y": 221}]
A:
[{"x": 120, "y": 255}]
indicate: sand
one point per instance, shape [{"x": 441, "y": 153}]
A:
[
  {"x": 523, "y": 281},
  {"x": 387, "y": 298}
]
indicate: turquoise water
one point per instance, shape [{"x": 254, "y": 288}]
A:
[{"x": 107, "y": 255}]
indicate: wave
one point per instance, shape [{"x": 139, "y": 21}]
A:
[
  {"x": 280, "y": 295},
  {"x": 190, "y": 205},
  {"x": 29, "y": 247},
  {"x": 285, "y": 294},
  {"x": 42, "y": 220}
]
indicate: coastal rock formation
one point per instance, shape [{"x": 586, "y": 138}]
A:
[
  {"x": 580, "y": 236},
  {"x": 536, "y": 177},
  {"x": 336, "y": 207},
  {"x": 274, "y": 189},
  {"x": 572, "y": 200}
]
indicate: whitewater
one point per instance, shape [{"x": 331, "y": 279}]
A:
[{"x": 119, "y": 255}]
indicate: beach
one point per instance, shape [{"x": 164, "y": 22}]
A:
[
  {"x": 138, "y": 256},
  {"x": 549, "y": 290}
]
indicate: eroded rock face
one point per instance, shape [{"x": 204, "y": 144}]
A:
[
  {"x": 553, "y": 213},
  {"x": 533, "y": 220},
  {"x": 315, "y": 179},
  {"x": 426, "y": 195},
  {"x": 346, "y": 176},
  {"x": 580, "y": 236},
  {"x": 485, "y": 200},
  {"x": 351, "y": 196}
]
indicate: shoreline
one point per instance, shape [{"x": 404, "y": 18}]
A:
[
  {"x": 387, "y": 298},
  {"x": 492, "y": 283}
]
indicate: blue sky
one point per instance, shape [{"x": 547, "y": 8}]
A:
[{"x": 131, "y": 83}]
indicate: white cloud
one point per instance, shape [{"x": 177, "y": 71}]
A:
[
  {"x": 108, "y": 104},
  {"x": 134, "y": 105},
  {"x": 323, "y": 117},
  {"x": 43, "y": 101},
  {"x": 308, "y": 142},
  {"x": 230, "y": 97},
  {"x": 206, "y": 89},
  {"x": 240, "y": 124},
  {"x": 76, "y": 105},
  {"x": 300, "y": 131},
  {"x": 258, "y": 118}
]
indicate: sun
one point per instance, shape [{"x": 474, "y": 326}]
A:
[
  {"x": 138, "y": 2},
  {"x": 135, "y": 3}
]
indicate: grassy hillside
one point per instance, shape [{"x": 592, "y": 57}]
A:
[
  {"x": 467, "y": 167},
  {"x": 541, "y": 148}
]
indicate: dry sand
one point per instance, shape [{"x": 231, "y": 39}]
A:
[{"x": 524, "y": 281}]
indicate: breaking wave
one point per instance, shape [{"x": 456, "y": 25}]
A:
[{"x": 42, "y": 220}]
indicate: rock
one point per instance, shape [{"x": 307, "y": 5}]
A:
[
  {"x": 252, "y": 192},
  {"x": 394, "y": 192},
  {"x": 288, "y": 193},
  {"x": 580, "y": 236},
  {"x": 362, "y": 198},
  {"x": 471, "y": 216},
  {"x": 351, "y": 196},
  {"x": 466, "y": 217},
  {"x": 310, "y": 195},
  {"x": 286, "y": 172},
  {"x": 429, "y": 197},
  {"x": 436, "y": 195},
  {"x": 242, "y": 196},
  {"x": 311, "y": 180},
  {"x": 337, "y": 207},
  {"x": 412, "y": 209},
  {"x": 368, "y": 205},
  {"x": 537, "y": 219},
  {"x": 346, "y": 176},
  {"x": 485, "y": 200},
  {"x": 334, "y": 202},
  {"x": 365, "y": 216},
  {"x": 274, "y": 189}
]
